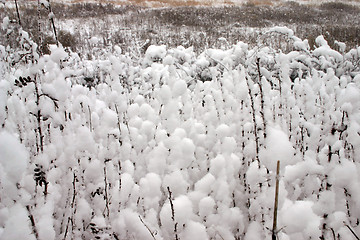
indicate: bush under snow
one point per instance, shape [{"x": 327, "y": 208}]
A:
[{"x": 174, "y": 145}]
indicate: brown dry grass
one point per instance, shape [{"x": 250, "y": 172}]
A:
[{"x": 181, "y": 3}]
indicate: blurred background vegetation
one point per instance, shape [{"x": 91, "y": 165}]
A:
[{"x": 130, "y": 27}]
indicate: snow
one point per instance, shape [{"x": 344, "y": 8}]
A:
[
  {"x": 132, "y": 222},
  {"x": 205, "y": 184},
  {"x": 45, "y": 3},
  {"x": 255, "y": 175},
  {"x": 14, "y": 157},
  {"x": 155, "y": 53},
  {"x": 176, "y": 182},
  {"x": 94, "y": 40},
  {"x": 223, "y": 131},
  {"x": 179, "y": 88},
  {"x": 172, "y": 139},
  {"x": 279, "y": 148},
  {"x": 299, "y": 217},
  {"x": 45, "y": 223},
  {"x": 3, "y": 89},
  {"x": 206, "y": 206},
  {"x": 282, "y": 30},
  {"x": 343, "y": 175},
  {"x": 183, "y": 209},
  {"x": 58, "y": 54},
  {"x": 217, "y": 165},
  {"x": 253, "y": 232},
  {"x": 5, "y": 23},
  {"x": 301, "y": 169},
  {"x": 150, "y": 189},
  {"x": 17, "y": 225},
  {"x": 51, "y": 15},
  {"x": 84, "y": 140},
  {"x": 93, "y": 170},
  {"x": 195, "y": 229}
]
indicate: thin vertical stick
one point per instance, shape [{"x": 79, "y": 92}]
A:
[
  {"x": 17, "y": 12},
  {"x": 40, "y": 147},
  {"x": 173, "y": 214},
  {"x": 31, "y": 217},
  {"x": 118, "y": 123},
  {"x": 53, "y": 23},
  {"x": 147, "y": 227},
  {"x": 106, "y": 193},
  {"x": 254, "y": 121},
  {"x": 274, "y": 231},
  {"x": 262, "y": 112},
  {"x": 352, "y": 231}
]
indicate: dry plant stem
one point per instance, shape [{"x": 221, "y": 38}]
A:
[
  {"x": 53, "y": 25},
  {"x": 352, "y": 231},
  {"x": 254, "y": 121},
  {"x": 106, "y": 193},
  {"x": 173, "y": 214},
  {"x": 262, "y": 112},
  {"x": 118, "y": 123},
  {"x": 152, "y": 234},
  {"x": 40, "y": 145},
  {"x": 17, "y": 12},
  {"x": 70, "y": 219},
  {"x": 32, "y": 221},
  {"x": 274, "y": 231},
  {"x": 90, "y": 122},
  {"x": 40, "y": 49}
]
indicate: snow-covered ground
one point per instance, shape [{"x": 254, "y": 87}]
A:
[{"x": 167, "y": 143}]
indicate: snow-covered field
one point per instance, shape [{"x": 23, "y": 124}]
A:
[{"x": 174, "y": 144}]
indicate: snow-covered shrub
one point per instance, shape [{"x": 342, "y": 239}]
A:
[{"x": 179, "y": 145}]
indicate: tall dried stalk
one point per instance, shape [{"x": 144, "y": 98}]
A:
[
  {"x": 173, "y": 214},
  {"x": 254, "y": 121},
  {"x": 17, "y": 12},
  {"x": 262, "y": 111},
  {"x": 274, "y": 230}
]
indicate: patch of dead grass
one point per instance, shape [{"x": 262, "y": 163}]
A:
[{"x": 182, "y": 3}]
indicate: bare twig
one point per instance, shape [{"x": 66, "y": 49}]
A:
[
  {"x": 90, "y": 121},
  {"x": 118, "y": 123},
  {"x": 106, "y": 193},
  {"x": 262, "y": 112},
  {"x": 70, "y": 218},
  {"x": 116, "y": 236},
  {"x": 352, "y": 231},
  {"x": 53, "y": 23},
  {"x": 333, "y": 233},
  {"x": 40, "y": 145},
  {"x": 274, "y": 231},
  {"x": 32, "y": 221},
  {"x": 173, "y": 214},
  {"x": 52, "y": 99},
  {"x": 254, "y": 120},
  {"x": 152, "y": 234},
  {"x": 17, "y": 12}
]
